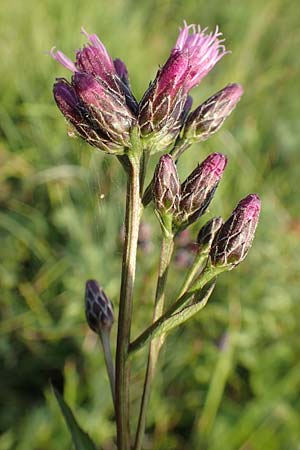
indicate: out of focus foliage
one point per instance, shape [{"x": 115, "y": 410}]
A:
[{"x": 230, "y": 378}]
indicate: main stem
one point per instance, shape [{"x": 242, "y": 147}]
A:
[
  {"x": 132, "y": 220},
  {"x": 155, "y": 344}
]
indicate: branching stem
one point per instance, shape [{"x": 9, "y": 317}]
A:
[{"x": 155, "y": 344}]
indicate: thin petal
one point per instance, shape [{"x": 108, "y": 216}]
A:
[{"x": 63, "y": 59}]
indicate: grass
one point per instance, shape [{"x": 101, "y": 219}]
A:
[{"x": 229, "y": 379}]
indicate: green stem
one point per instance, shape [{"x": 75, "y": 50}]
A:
[
  {"x": 155, "y": 345},
  {"x": 191, "y": 274},
  {"x": 105, "y": 340},
  {"x": 154, "y": 329},
  {"x": 132, "y": 220}
]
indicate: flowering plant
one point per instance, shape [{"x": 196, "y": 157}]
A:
[{"x": 100, "y": 106}]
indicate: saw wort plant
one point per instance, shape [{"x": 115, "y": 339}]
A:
[{"x": 100, "y": 106}]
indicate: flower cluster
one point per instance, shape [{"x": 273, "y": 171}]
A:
[
  {"x": 99, "y": 103},
  {"x": 188, "y": 201},
  {"x": 179, "y": 205},
  {"x": 100, "y": 106}
]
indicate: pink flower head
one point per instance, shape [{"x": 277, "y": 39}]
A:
[
  {"x": 93, "y": 58},
  {"x": 98, "y": 101},
  {"x": 203, "y": 51}
]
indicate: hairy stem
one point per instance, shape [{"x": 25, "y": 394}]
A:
[
  {"x": 155, "y": 344},
  {"x": 132, "y": 220}
]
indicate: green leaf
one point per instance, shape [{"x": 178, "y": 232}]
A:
[
  {"x": 81, "y": 440},
  {"x": 186, "y": 313}
]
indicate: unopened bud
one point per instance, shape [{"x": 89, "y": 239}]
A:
[
  {"x": 207, "y": 233},
  {"x": 107, "y": 109},
  {"x": 208, "y": 118},
  {"x": 198, "y": 189},
  {"x": 234, "y": 239},
  {"x": 76, "y": 112},
  {"x": 162, "y": 107},
  {"x": 98, "y": 308},
  {"x": 166, "y": 186}
]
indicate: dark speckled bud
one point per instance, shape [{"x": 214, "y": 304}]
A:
[
  {"x": 98, "y": 308},
  {"x": 198, "y": 189},
  {"x": 166, "y": 186},
  {"x": 234, "y": 239},
  {"x": 208, "y": 118},
  {"x": 207, "y": 233}
]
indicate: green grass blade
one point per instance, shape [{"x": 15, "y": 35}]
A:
[{"x": 81, "y": 440}]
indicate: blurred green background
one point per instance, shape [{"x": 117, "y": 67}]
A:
[{"x": 230, "y": 378}]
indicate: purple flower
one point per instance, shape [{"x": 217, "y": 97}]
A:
[
  {"x": 198, "y": 189},
  {"x": 98, "y": 102},
  {"x": 163, "y": 107},
  {"x": 234, "y": 239},
  {"x": 203, "y": 52}
]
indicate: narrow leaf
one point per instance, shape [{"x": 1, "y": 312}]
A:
[
  {"x": 186, "y": 313},
  {"x": 81, "y": 440}
]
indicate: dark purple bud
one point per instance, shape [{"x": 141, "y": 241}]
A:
[
  {"x": 98, "y": 308},
  {"x": 107, "y": 110},
  {"x": 162, "y": 107},
  {"x": 76, "y": 112},
  {"x": 198, "y": 189},
  {"x": 166, "y": 186},
  {"x": 122, "y": 72},
  {"x": 208, "y": 118},
  {"x": 232, "y": 242},
  {"x": 207, "y": 233}
]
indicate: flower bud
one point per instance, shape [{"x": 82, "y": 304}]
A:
[
  {"x": 166, "y": 186},
  {"x": 232, "y": 242},
  {"x": 208, "y": 118},
  {"x": 198, "y": 189},
  {"x": 162, "y": 107},
  {"x": 107, "y": 110},
  {"x": 76, "y": 112},
  {"x": 207, "y": 233},
  {"x": 98, "y": 308}
]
